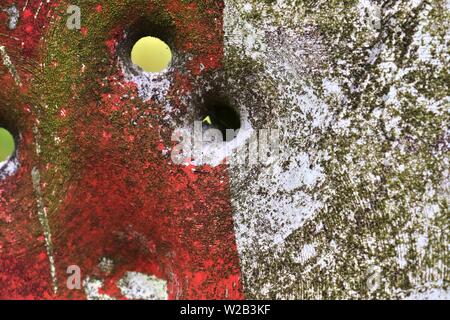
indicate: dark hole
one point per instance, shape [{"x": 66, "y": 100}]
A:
[
  {"x": 223, "y": 115},
  {"x": 156, "y": 25}
]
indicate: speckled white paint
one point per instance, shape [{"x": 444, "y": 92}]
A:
[{"x": 139, "y": 286}]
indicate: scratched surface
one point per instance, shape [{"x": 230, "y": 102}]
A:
[{"x": 356, "y": 207}]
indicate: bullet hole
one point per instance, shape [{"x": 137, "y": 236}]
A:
[
  {"x": 217, "y": 112},
  {"x": 10, "y": 139},
  {"x": 148, "y": 45},
  {"x": 7, "y": 145},
  {"x": 151, "y": 54}
]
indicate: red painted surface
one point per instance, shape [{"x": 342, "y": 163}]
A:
[
  {"x": 24, "y": 266},
  {"x": 124, "y": 200}
]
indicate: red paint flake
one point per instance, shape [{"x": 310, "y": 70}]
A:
[
  {"x": 111, "y": 44},
  {"x": 63, "y": 113},
  {"x": 29, "y": 28},
  {"x": 84, "y": 31},
  {"x": 27, "y": 14}
]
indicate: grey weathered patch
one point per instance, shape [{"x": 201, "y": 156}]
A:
[
  {"x": 8, "y": 64},
  {"x": 14, "y": 15},
  {"x": 137, "y": 285},
  {"x": 360, "y": 91}
]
